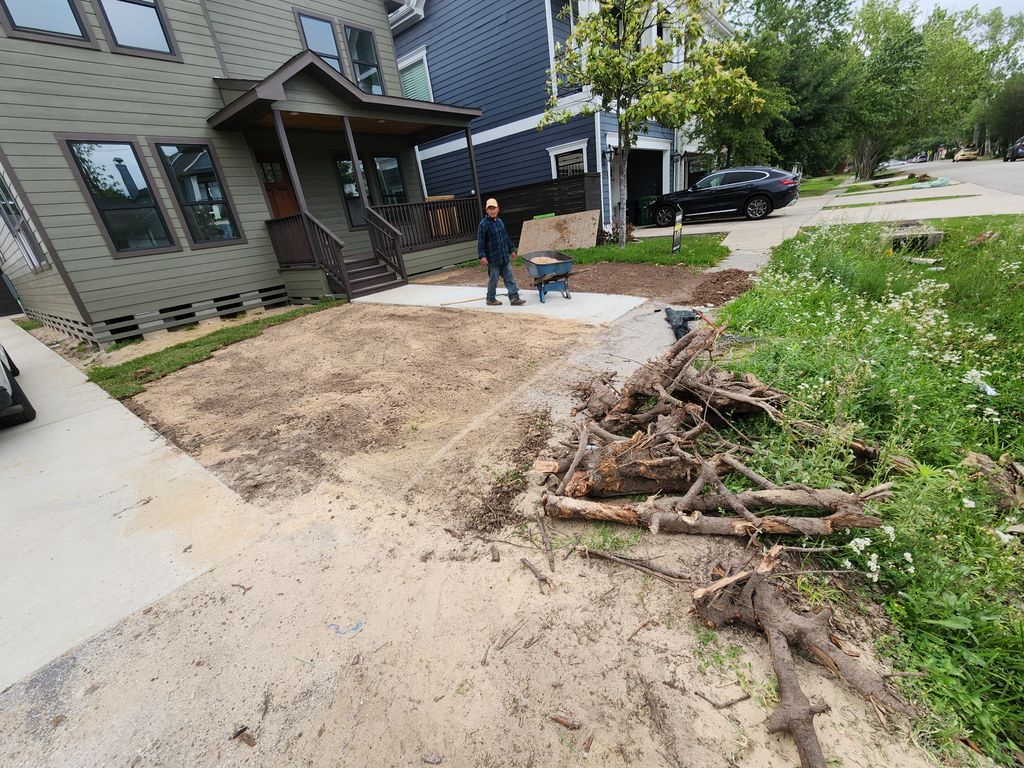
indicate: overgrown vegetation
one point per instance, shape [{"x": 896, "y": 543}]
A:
[
  {"x": 130, "y": 378},
  {"x": 28, "y": 324},
  {"x": 695, "y": 251},
  {"x": 926, "y": 363}
]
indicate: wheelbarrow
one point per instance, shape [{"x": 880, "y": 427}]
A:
[{"x": 550, "y": 271}]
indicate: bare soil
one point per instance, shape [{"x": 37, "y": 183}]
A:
[
  {"x": 678, "y": 285},
  {"x": 370, "y": 626}
]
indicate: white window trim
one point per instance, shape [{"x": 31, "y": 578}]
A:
[
  {"x": 409, "y": 14},
  {"x": 561, "y": 149},
  {"x": 420, "y": 54}
]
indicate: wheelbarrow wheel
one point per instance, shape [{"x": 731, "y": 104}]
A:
[{"x": 566, "y": 295}]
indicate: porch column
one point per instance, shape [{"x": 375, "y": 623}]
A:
[
  {"x": 289, "y": 161},
  {"x": 472, "y": 168},
  {"x": 360, "y": 181}
]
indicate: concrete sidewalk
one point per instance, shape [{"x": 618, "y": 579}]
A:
[
  {"x": 750, "y": 243},
  {"x": 101, "y": 515},
  {"x": 593, "y": 308},
  {"x": 985, "y": 202}
]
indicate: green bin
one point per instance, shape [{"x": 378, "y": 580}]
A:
[{"x": 643, "y": 202}]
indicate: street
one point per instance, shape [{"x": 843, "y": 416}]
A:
[{"x": 994, "y": 174}]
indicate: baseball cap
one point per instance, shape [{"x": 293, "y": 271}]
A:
[{"x": 491, "y": 203}]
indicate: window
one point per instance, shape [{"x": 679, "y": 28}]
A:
[
  {"x": 199, "y": 192},
  {"x": 318, "y": 36},
  {"x": 389, "y": 176},
  {"x": 350, "y": 191},
  {"x": 45, "y": 18},
  {"x": 569, "y": 164},
  {"x": 415, "y": 77},
  {"x": 712, "y": 181},
  {"x": 17, "y": 225},
  {"x": 136, "y": 25},
  {"x": 121, "y": 194},
  {"x": 363, "y": 51},
  {"x": 742, "y": 177}
]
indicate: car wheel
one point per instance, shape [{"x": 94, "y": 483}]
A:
[
  {"x": 23, "y": 415},
  {"x": 757, "y": 207},
  {"x": 665, "y": 216}
]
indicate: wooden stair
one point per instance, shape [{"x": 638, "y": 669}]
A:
[{"x": 368, "y": 274}]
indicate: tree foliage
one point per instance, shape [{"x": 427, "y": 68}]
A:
[{"x": 649, "y": 61}]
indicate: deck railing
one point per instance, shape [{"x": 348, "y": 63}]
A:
[
  {"x": 386, "y": 241},
  {"x": 302, "y": 240},
  {"x": 434, "y": 222}
]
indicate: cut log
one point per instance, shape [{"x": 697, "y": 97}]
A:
[{"x": 647, "y": 515}]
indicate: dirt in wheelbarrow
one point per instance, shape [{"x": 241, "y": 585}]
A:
[{"x": 680, "y": 285}]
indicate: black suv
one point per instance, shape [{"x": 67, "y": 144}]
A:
[
  {"x": 1015, "y": 151},
  {"x": 753, "y": 192}
]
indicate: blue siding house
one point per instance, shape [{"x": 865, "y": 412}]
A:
[{"x": 498, "y": 57}]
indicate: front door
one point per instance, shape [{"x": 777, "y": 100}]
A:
[{"x": 278, "y": 186}]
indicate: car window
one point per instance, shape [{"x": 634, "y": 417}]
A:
[
  {"x": 742, "y": 177},
  {"x": 712, "y": 181}
]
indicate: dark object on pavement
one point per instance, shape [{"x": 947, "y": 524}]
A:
[
  {"x": 680, "y": 320},
  {"x": 550, "y": 271},
  {"x": 753, "y": 192},
  {"x": 15, "y": 407}
]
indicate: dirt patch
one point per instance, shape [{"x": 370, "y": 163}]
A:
[
  {"x": 677, "y": 284},
  {"x": 309, "y": 399}
]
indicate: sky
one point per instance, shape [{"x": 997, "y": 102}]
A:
[{"x": 1009, "y": 6}]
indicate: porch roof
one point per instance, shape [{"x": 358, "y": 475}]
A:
[{"x": 391, "y": 114}]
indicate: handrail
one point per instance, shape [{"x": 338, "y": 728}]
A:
[
  {"x": 303, "y": 240},
  {"x": 327, "y": 249},
  {"x": 385, "y": 239}
]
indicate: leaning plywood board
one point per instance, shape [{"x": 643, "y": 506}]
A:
[{"x": 573, "y": 230}]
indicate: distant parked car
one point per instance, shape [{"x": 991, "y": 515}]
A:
[
  {"x": 14, "y": 406},
  {"x": 753, "y": 192},
  {"x": 894, "y": 163},
  {"x": 920, "y": 157},
  {"x": 1015, "y": 151},
  {"x": 970, "y": 152}
]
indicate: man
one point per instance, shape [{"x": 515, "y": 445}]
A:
[{"x": 496, "y": 253}]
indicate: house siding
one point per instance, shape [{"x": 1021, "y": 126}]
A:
[
  {"x": 256, "y": 36},
  {"x": 507, "y": 162},
  {"x": 490, "y": 56}
]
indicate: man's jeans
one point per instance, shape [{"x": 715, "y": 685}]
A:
[{"x": 505, "y": 273}]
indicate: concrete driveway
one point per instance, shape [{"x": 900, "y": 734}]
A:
[{"x": 101, "y": 515}]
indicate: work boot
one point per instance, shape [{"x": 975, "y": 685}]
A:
[
  {"x": 494, "y": 303},
  {"x": 517, "y": 302}
]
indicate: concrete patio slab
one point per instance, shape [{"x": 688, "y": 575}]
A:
[
  {"x": 101, "y": 515},
  {"x": 593, "y": 308}
]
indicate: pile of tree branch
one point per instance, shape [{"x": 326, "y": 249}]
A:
[{"x": 660, "y": 436}]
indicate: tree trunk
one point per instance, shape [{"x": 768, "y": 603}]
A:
[{"x": 623, "y": 160}]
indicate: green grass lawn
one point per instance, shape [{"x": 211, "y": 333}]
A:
[
  {"x": 870, "y": 186},
  {"x": 896, "y": 202},
  {"x": 819, "y": 185},
  {"x": 130, "y": 378},
  {"x": 695, "y": 251},
  {"x": 926, "y": 363},
  {"x": 28, "y": 324}
]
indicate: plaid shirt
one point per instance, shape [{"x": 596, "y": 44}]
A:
[{"x": 493, "y": 242}]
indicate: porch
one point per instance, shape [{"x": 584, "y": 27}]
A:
[{"x": 342, "y": 182}]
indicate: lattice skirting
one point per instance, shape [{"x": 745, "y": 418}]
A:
[{"x": 115, "y": 329}]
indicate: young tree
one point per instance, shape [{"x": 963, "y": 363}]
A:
[{"x": 650, "y": 61}]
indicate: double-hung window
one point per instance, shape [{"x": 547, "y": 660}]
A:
[
  {"x": 318, "y": 36},
  {"x": 389, "y": 178},
  {"x": 121, "y": 195},
  {"x": 54, "y": 20},
  {"x": 18, "y": 227},
  {"x": 137, "y": 27},
  {"x": 200, "y": 193},
  {"x": 362, "y": 49}
]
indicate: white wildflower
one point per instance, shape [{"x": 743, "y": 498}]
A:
[
  {"x": 908, "y": 557},
  {"x": 969, "y": 503},
  {"x": 859, "y": 545},
  {"x": 846, "y": 564},
  {"x": 910, "y": 569},
  {"x": 890, "y": 532}
]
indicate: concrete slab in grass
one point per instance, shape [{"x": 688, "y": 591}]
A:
[
  {"x": 594, "y": 308},
  {"x": 101, "y": 515}
]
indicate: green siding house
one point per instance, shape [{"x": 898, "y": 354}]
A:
[{"x": 167, "y": 161}]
